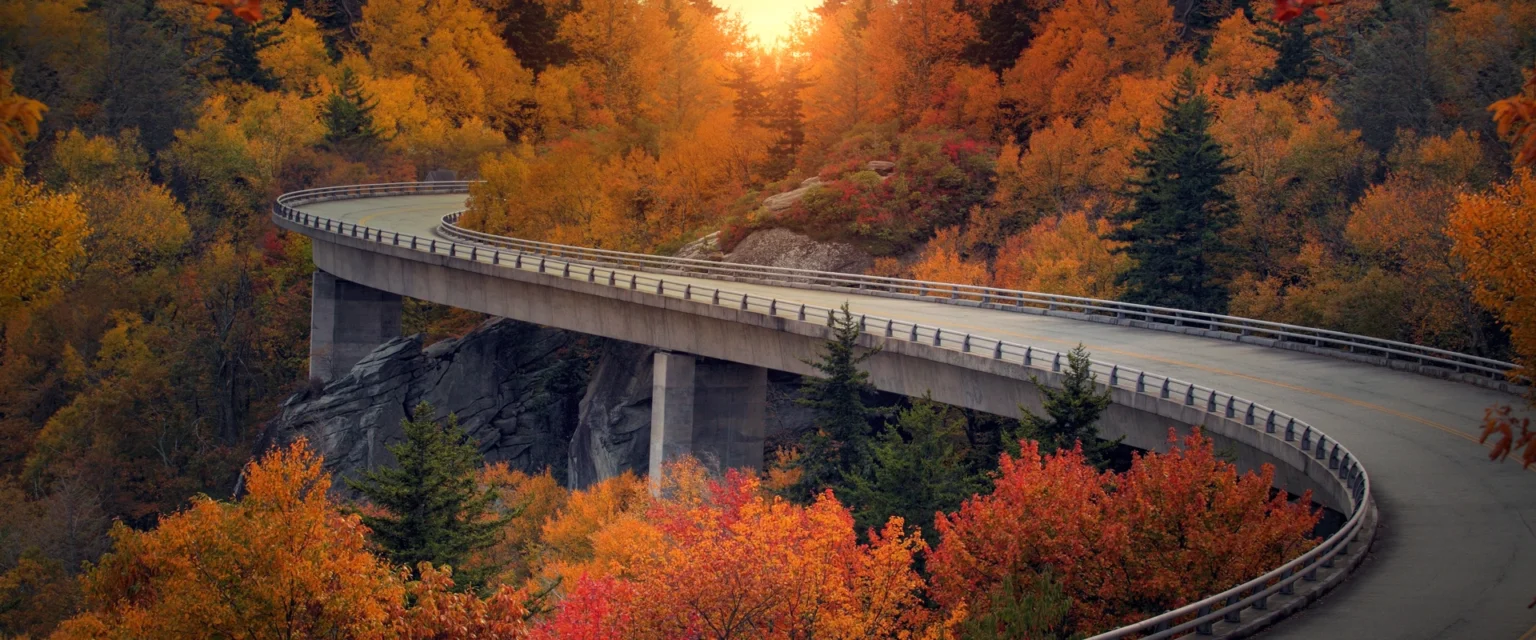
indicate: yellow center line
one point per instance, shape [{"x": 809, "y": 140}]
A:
[{"x": 1528, "y": 634}]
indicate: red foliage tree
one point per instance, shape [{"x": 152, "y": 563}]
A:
[{"x": 1176, "y": 527}]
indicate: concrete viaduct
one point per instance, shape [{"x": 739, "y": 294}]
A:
[{"x": 1441, "y": 536}]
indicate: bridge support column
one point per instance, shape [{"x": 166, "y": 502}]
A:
[
  {"x": 711, "y": 409},
  {"x": 347, "y": 321}
]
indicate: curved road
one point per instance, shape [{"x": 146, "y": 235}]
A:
[{"x": 1456, "y": 553}]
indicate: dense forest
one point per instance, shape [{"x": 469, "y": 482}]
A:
[{"x": 1336, "y": 166}]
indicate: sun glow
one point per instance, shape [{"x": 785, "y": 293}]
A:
[{"x": 768, "y": 20}]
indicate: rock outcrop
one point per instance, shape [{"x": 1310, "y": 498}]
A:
[
  {"x": 511, "y": 384},
  {"x": 613, "y": 432},
  {"x": 785, "y": 248}
]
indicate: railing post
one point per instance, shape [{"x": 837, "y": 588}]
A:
[
  {"x": 1290, "y": 430},
  {"x": 888, "y": 323},
  {"x": 914, "y": 332},
  {"x": 566, "y": 272},
  {"x": 1306, "y": 439},
  {"x": 801, "y": 315},
  {"x": 1288, "y": 588},
  {"x": 634, "y": 282},
  {"x": 1166, "y": 382},
  {"x": 1056, "y": 362},
  {"x": 1114, "y": 375},
  {"x": 997, "y": 351},
  {"x": 688, "y": 291},
  {"x": 1189, "y": 395},
  {"x": 1141, "y": 382},
  {"x": 1269, "y": 423},
  {"x": 743, "y": 302},
  {"x": 1210, "y": 402},
  {"x": 1029, "y": 353},
  {"x": 714, "y": 299},
  {"x": 591, "y": 274},
  {"x": 1236, "y": 615},
  {"x": 612, "y": 277},
  {"x": 541, "y": 264},
  {"x": 519, "y": 260},
  {"x": 1248, "y": 419},
  {"x": 1231, "y": 406},
  {"x": 773, "y": 306},
  {"x": 965, "y": 344},
  {"x": 937, "y": 333},
  {"x": 1203, "y": 628}
]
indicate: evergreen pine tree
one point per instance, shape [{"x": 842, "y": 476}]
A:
[
  {"x": 348, "y": 114},
  {"x": 1296, "y": 53},
  {"x": 1072, "y": 413},
  {"x": 786, "y": 118},
  {"x": 840, "y": 446},
  {"x": 919, "y": 468},
  {"x": 242, "y": 42},
  {"x": 751, "y": 104},
  {"x": 434, "y": 510},
  {"x": 1021, "y": 607},
  {"x": 1179, "y": 210}
]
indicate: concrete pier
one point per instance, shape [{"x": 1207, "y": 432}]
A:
[
  {"x": 347, "y": 321},
  {"x": 711, "y": 409}
]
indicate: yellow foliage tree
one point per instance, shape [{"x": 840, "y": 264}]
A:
[
  {"x": 297, "y": 59},
  {"x": 43, "y": 234}
]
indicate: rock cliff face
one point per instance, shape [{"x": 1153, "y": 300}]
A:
[
  {"x": 522, "y": 391},
  {"x": 513, "y": 386}
]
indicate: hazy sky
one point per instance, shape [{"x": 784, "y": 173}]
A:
[{"x": 768, "y": 19}]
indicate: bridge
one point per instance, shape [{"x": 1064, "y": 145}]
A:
[{"x": 1436, "y": 540}]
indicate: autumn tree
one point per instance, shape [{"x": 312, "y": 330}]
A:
[
  {"x": 434, "y": 511},
  {"x": 1491, "y": 235},
  {"x": 1173, "y": 229},
  {"x": 44, "y": 235},
  {"x": 1068, "y": 255},
  {"x": 941, "y": 261},
  {"x": 727, "y": 561},
  {"x": 1071, "y": 414},
  {"x": 840, "y": 445},
  {"x": 19, "y": 119},
  {"x": 1120, "y": 547},
  {"x": 283, "y": 562}
]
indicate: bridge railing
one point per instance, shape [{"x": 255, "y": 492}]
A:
[
  {"x": 1327, "y": 341},
  {"x": 632, "y": 271}
]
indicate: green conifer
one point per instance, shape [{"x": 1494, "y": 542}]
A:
[
  {"x": 919, "y": 468},
  {"x": 348, "y": 114},
  {"x": 434, "y": 509},
  {"x": 1179, "y": 210},
  {"x": 840, "y": 445},
  {"x": 1071, "y": 414}
]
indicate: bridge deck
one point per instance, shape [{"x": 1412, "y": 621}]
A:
[{"x": 1456, "y": 555}]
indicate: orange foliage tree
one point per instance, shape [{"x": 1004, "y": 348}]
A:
[
  {"x": 1492, "y": 234},
  {"x": 732, "y": 562},
  {"x": 941, "y": 262},
  {"x": 1176, "y": 527},
  {"x": 281, "y": 563}
]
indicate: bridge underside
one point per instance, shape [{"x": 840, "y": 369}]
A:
[{"x": 716, "y": 419}]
